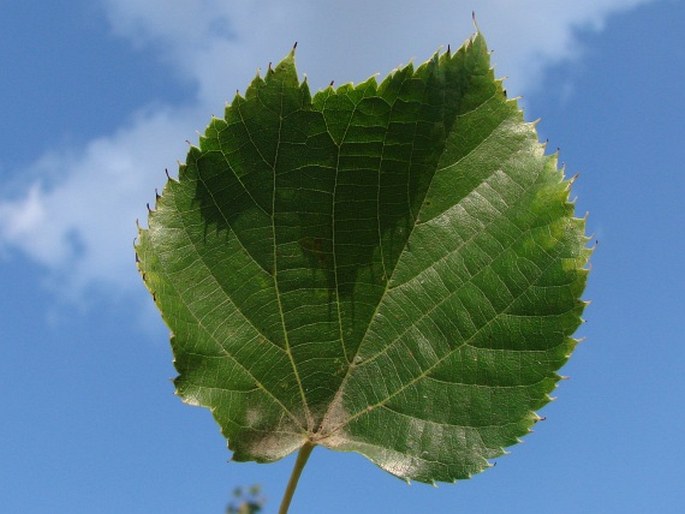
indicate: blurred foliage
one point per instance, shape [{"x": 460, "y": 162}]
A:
[{"x": 246, "y": 501}]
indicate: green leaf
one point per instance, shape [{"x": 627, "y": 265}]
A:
[{"x": 392, "y": 269}]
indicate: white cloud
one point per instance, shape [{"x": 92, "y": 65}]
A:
[
  {"x": 83, "y": 226},
  {"x": 228, "y": 40},
  {"x": 80, "y": 226}
]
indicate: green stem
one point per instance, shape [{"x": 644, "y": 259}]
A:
[{"x": 302, "y": 457}]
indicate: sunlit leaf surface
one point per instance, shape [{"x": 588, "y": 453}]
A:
[{"x": 392, "y": 268}]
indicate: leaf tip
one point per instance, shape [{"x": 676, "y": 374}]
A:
[{"x": 475, "y": 21}]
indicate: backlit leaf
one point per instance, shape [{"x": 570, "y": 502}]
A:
[{"x": 393, "y": 269}]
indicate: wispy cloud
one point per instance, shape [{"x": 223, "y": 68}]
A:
[{"x": 80, "y": 225}]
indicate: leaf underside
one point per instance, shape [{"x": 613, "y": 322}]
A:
[{"x": 393, "y": 269}]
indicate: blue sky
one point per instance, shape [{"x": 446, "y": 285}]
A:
[{"x": 99, "y": 97}]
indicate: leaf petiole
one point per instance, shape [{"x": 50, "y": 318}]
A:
[{"x": 302, "y": 457}]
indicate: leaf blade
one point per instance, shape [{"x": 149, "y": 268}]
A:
[{"x": 390, "y": 268}]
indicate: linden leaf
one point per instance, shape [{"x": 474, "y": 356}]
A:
[{"x": 393, "y": 269}]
